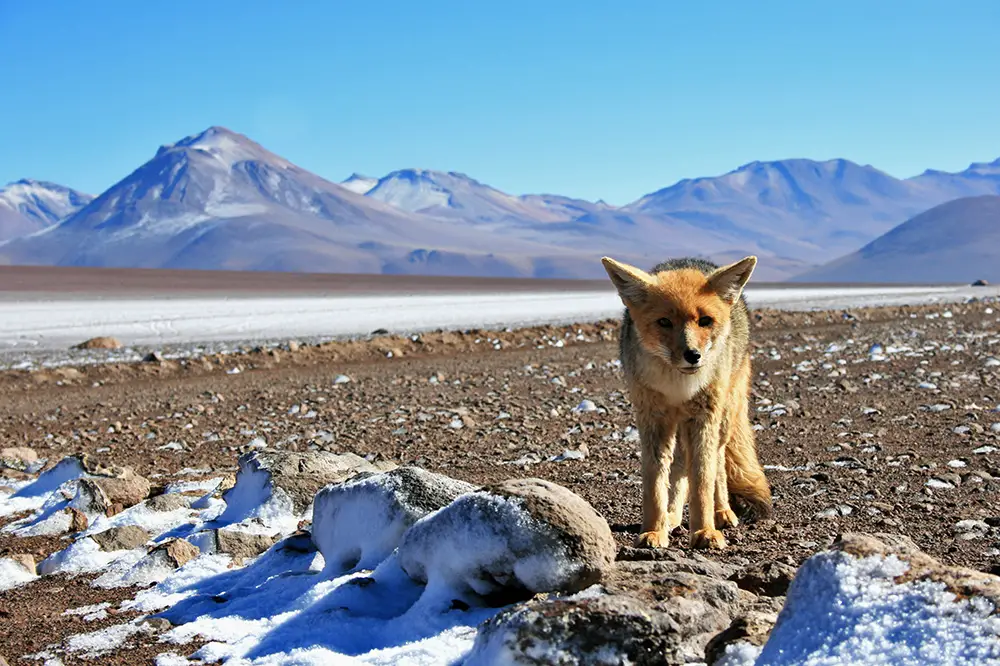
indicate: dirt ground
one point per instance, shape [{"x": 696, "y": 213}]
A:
[{"x": 899, "y": 439}]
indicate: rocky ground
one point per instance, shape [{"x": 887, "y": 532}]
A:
[{"x": 876, "y": 420}]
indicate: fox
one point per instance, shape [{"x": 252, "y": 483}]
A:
[{"x": 684, "y": 346}]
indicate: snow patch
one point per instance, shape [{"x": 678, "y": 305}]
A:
[{"x": 843, "y": 611}]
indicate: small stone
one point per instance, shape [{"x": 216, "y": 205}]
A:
[
  {"x": 102, "y": 342},
  {"x": 157, "y": 624},
  {"x": 178, "y": 552},
  {"x": 242, "y": 546},
  {"x": 341, "y": 379},
  {"x": 753, "y": 628},
  {"x": 126, "y": 537},
  {"x": 78, "y": 520},
  {"x": 770, "y": 579},
  {"x": 169, "y": 502}
]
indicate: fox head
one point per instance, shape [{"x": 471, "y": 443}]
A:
[{"x": 681, "y": 316}]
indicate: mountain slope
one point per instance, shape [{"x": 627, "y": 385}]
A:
[
  {"x": 958, "y": 241},
  {"x": 27, "y": 206}
]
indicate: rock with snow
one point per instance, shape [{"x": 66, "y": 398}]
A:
[
  {"x": 14, "y": 573},
  {"x": 278, "y": 486},
  {"x": 110, "y": 491},
  {"x": 17, "y": 457},
  {"x": 746, "y": 631},
  {"x": 880, "y": 600},
  {"x": 359, "y": 522},
  {"x": 508, "y": 541}
]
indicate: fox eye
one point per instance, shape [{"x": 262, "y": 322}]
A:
[
  {"x": 705, "y": 321},
  {"x": 664, "y": 322}
]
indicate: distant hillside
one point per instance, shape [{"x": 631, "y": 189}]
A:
[{"x": 958, "y": 241}]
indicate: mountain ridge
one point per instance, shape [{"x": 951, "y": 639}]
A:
[{"x": 217, "y": 199}]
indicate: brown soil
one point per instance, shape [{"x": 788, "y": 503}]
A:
[{"x": 856, "y": 447}]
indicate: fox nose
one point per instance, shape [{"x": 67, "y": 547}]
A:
[{"x": 692, "y": 356}]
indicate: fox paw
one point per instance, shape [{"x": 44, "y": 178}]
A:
[
  {"x": 726, "y": 518},
  {"x": 660, "y": 539},
  {"x": 708, "y": 538}
]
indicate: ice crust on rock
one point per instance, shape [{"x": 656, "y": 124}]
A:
[
  {"x": 277, "y": 487},
  {"x": 359, "y": 523},
  {"x": 509, "y": 541}
]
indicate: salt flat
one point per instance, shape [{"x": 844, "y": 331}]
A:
[{"x": 49, "y": 324}]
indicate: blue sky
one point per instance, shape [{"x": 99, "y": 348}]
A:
[{"x": 590, "y": 99}]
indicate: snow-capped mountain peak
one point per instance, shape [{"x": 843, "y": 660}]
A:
[
  {"x": 359, "y": 183},
  {"x": 28, "y": 206},
  {"x": 226, "y": 146}
]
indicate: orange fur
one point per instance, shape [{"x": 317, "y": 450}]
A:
[{"x": 685, "y": 353}]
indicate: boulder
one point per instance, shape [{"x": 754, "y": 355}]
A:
[
  {"x": 509, "y": 541},
  {"x": 358, "y": 523}
]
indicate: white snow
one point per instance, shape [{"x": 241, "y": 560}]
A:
[
  {"x": 27, "y": 325},
  {"x": 491, "y": 540},
  {"x": 359, "y": 184},
  {"x": 843, "y": 611}
]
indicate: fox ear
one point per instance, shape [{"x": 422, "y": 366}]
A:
[
  {"x": 728, "y": 281},
  {"x": 631, "y": 282}
]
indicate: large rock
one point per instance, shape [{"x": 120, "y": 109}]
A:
[
  {"x": 878, "y": 599},
  {"x": 358, "y": 523},
  {"x": 277, "y": 485},
  {"x": 509, "y": 541},
  {"x": 643, "y": 613}
]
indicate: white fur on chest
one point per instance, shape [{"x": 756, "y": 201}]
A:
[{"x": 676, "y": 387}]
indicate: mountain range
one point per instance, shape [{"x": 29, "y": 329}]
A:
[{"x": 218, "y": 200}]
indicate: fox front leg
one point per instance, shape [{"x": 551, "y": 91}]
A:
[
  {"x": 704, "y": 473},
  {"x": 658, "y": 437}
]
